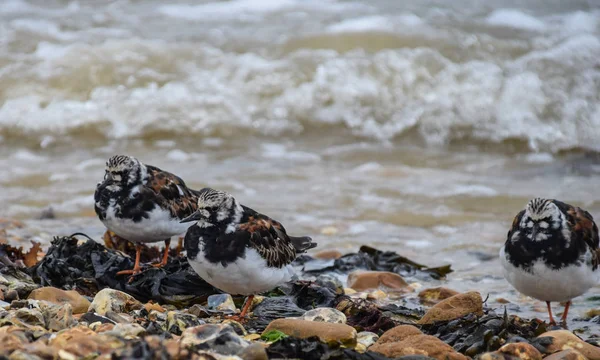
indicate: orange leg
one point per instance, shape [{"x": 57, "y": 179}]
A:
[
  {"x": 552, "y": 322},
  {"x": 563, "y": 319},
  {"x": 165, "y": 255},
  {"x": 242, "y": 316},
  {"x": 136, "y": 268},
  {"x": 179, "y": 246}
]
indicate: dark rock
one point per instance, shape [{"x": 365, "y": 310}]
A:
[
  {"x": 369, "y": 258},
  {"x": 274, "y": 308},
  {"x": 331, "y": 282},
  {"x": 313, "y": 349},
  {"x": 308, "y": 295},
  {"x": 91, "y": 318}
]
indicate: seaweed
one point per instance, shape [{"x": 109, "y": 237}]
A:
[
  {"x": 369, "y": 258},
  {"x": 89, "y": 267}
]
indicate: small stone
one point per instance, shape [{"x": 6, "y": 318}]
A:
[
  {"x": 408, "y": 340},
  {"x": 327, "y": 332},
  {"x": 127, "y": 331},
  {"x": 221, "y": 302},
  {"x": 100, "y": 327},
  {"x": 435, "y": 295},
  {"x": 328, "y": 255},
  {"x": 366, "y": 338},
  {"x": 82, "y": 341},
  {"x": 349, "y": 291},
  {"x": 495, "y": 356},
  {"x": 563, "y": 339},
  {"x": 254, "y": 352},
  {"x": 199, "y": 311},
  {"x": 90, "y": 318},
  {"x": 27, "y": 317},
  {"x": 502, "y": 301},
  {"x": 219, "y": 338},
  {"x": 152, "y": 306},
  {"x": 569, "y": 354},
  {"x": 523, "y": 351},
  {"x": 11, "y": 295},
  {"x": 454, "y": 307},
  {"x": 58, "y": 317},
  {"x": 114, "y": 300},
  {"x": 365, "y": 280},
  {"x": 252, "y": 337},
  {"x": 376, "y": 295},
  {"x": 325, "y": 315},
  {"x": 117, "y": 318},
  {"x": 177, "y": 322},
  {"x": 331, "y": 282},
  {"x": 79, "y": 304}
]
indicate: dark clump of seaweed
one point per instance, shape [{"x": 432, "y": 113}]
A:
[
  {"x": 369, "y": 258},
  {"x": 473, "y": 335},
  {"x": 89, "y": 267},
  {"x": 312, "y": 349}
]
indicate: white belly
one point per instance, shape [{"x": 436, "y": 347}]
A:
[
  {"x": 546, "y": 284},
  {"x": 158, "y": 226},
  {"x": 245, "y": 276}
]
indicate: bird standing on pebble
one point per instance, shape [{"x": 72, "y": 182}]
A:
[
  {"x": 239, "y": 250},
  {"x": 551, "y": 253},
  {"x": 143, "y": 204}
]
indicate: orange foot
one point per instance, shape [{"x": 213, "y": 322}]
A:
[
  {"x": 136, "y": 268},
  {"x": 242, "y": 316},
  {"x": 165, "y": 258}
]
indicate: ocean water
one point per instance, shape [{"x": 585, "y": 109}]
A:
[{"x": 421, "y": 127}]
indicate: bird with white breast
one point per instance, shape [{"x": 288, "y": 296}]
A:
[
  {"x": 238, "y": 250},
  {"x": 552, "y": 253}
]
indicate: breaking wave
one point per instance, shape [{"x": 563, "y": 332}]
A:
[{"x": 508, "y": 74}]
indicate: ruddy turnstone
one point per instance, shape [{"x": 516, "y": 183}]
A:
[
  {"x": 551, "y": 253},
  {"x": 142, "y": 203},
  {"x": 237, "y": 249}
]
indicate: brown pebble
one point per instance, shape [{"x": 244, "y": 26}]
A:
[
  {"x": 523, "y": 351},
  {"x": 564, "y": 339},
  {"x": 454, "y": 307},
  {"x": 569, "y": 354},
  {"x": 152, "y": 306},
  {"x": 327, "y": 332},
  {"x": 435, "y": 295},
  {"x": 408, "y": 340},
  {"x": 365, "y": 280},
  {"x": 328, "y": 255},
  {"x": 79, "y": 304}
]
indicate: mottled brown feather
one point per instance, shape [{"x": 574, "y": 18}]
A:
[
  {"x": 269, "y": 239},
  {"x": 584, "y": 228},
  {"x": 172, "y": 192}
]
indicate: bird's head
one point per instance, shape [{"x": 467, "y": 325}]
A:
[
  {"x": 541, "y": 217},
  {"x": 123, "y": 171},
  {"x": 214, "y": 206}
]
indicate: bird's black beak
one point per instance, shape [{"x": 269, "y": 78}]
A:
[
  {"x": 534, "y": 232},
  {"x": 194, "y": 217}
]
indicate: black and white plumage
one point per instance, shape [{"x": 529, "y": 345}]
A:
[
  {"x": 142, "y": 203},
  {"x": 237, "y": 249},
  {"x": 552, "y": 252}
]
